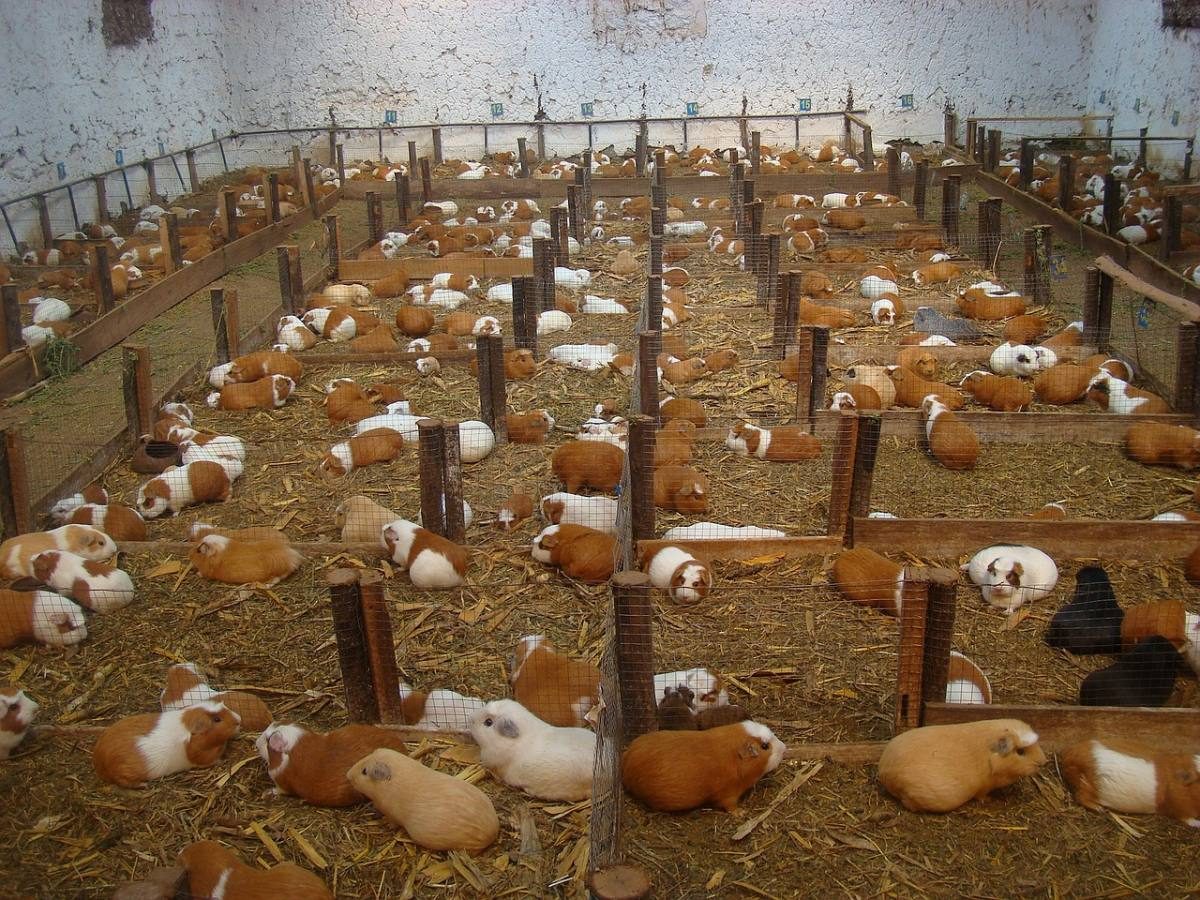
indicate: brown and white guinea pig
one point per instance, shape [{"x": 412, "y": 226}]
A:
[
  {"x": 1165, "y": 618},
  {"x": 951, "y": 441},
  {"x": 1116, "y": 396},
  {"x": 1062, "y": 384},
  {"x": 680, "y": 488},
  {"x": 1165, "y": 445},
  {"x": 432, "y": 561},
  {"x": 855, "y": 397},
  {"x": 362, "y": 520},
  {"x": 144, "y": 747},
  {"x": 974, "y": 303},
  {"x": 673, "y": 443},
  {"x": 1117, "y": 368},
  {"x": 529, "y": 428},
  {"x": 41, "y": 617},
  {"x": 98, "y": 586},
  {"x": 264, "y": 364},
  {"x": 345, "y": 401},
  {"x": 720, "y": 360},
  {"x": 121, "y": 523},
  {"x": 965, "y": 681},
  {"x": 912, "y": 389},
  {"x": 313, "y": 766},
  {"x": 675, "y": 771},
  {"x": 1049, "y": 512},
  {"x": 375, "y": 445},
  {"x": 845, "y": 219},
  {"x": 60, "y": 512},
  {"x": 516, "y": 509},
  {"x": 554, "y": 687},
  {"x": 936, "y": 273},
  {"x": 175, "y": 489},
  {"x": 594, "y": 464},
  {"x": 519, "y": 365},
  {"x": 1128, "y": 776},
  {"x": 684, "y": 371},
  {"x": 784, "y": 443},
  {"x": 875, "y": 377},
  {"x": 868, "y": 578},
  {"x": 17, "y": 712},
  {"x": 215, "y": 871},
  {"x": 266, "y": 393},
  {"x": 1002, "y": 393},
  {"x": 17, "y": 553},
  {"x": 938, "y": 768},
  {"x": 686, "y": 578},
  {"x": 683, "y": 408},
  {"x": 582, "y": 553},
  {"x": 231, "y": 561},
  {"x": 186, "y": 687},
  {"x": 919, "y": 360}
]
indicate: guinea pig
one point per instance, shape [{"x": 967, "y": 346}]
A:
[
  {"x": 856, "y": 397},
  {"x": 563, "y": 508},
  {"x": 313, "y": 766},
  {"x": 439, "y": 811},
  {"x": 783, "y": 443},
  {"x": 121, "y": 523},
  {"x": 720, "y": 360},
  {"x": 219, "y": 558},
  {"x": 266, "y": 393},
  {"x": 414, "y": 321},
  {"x": 98, "y": 586},
  {"x": 61, "y": 511},
  {"x": 936, "y": 273},
  {"x": 263, "y": 364},
  {"x": 17, "y": 553},
  {"x": 375, "y": 445},
  {"x": 332, "y": 324},
  {"x": 519, "y": 365},
  {"x": 975, "y": 304},
  {"x": 684, "y": 371},
  {"x": 1131, "y": 777},
  {"x": 1002, "y": 393},
  {"x": 683, "y": 408},
  {"x": 673, "y": 443},
  {"x": 197, "y": 531},
  {"x": 1142, "y": 676},
  {"x": 865, "y": 577},
  {"x": 347, "y": 402},
  {"x": 1024, "y": 329},
  {"x": 144, "y": 747},
  {"x": 965, "y": 681},
  {"x": 680, "y": 488},
  {"x": 186, "y": 687},
  {"x": 593, "y": 464},
  {"x": 39, "y": 617},
  {"x": 436, "y": 710},
  {"x": 675, "y": 710},
  {"x": 1062, "y": 384},
  {"x": 875, "y": 377},
  {"x": 516, "y": 509},
  {"x": 214, "y": 871},
  {"x": 183, "y": 486},
  {"x": 676, "y": 771},
  {"x": 1013, "y": 359},
  {"x": 684, "y": 577},
  {"x": 1120, "y": 397},
  {"x": 824, "y": 316},
  {"x": 17, "y": 712},
  {"x": 1010, "y": 576},
  {"x": 912, "y": 389},
  {"x": 950, "y": 440},
  {"x": 845, "y": 219},
  {"x": 219, "y": 448},
  {"x": 432, "y": 561},
  {"x": 583, "y": 553},
  {"x": 1165, "y": 445},
  {"x": 524, "y": 752},
  {"x": 1165, "y": 618},
  {"x": 294, "y": 334},
  {"x": 938, "y": 768},
  {"x": 529, "y": 428},
  {"x": 1091, "y": 623},
  {"x": 378, "y": 340},
  {"x": 554, "y": 687},
  {"x": 362, "y": 520},
  {"x": 919, "y": 360}
]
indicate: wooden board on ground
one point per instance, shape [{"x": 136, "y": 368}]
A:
[{"x": 418, "y": 268}]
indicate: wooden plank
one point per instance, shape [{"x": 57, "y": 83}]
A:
[
  {"x": 1015, "y": 428},
  {"x": 1059, "y": 727},
  {"x": 426, "y": 267},
  {"x": 741, "y": 548},
  {"x": 856, "y": 754},
  {"x": 1063, "y": 539},
  {"x": 842, "y": 355},
  {"x": 1186, "y": 308}
]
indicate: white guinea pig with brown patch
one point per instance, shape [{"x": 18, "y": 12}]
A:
[
  {"x": 264, "y": 364},
  {"x": 186, "y": 687},
  {"x": 312, "y": 766},
  {"x": 141, "y": 748},
  {"x": 17, "y": 712},
  {"x": 39, "y": 617},
  {"x": 17, "y": 553},
  {"x": 678, "y": 572},
  {"x": 675, "y": 771},
  {"x": 121, "y": 523},
  {"x": 439, "y": 811},
  {"x": 98, "y": 586},
  {"x": 875, "y": 377},
  {"x": 177, "y": 488},
  {"x": 437, "y": 710},
  {"x": 231, "y": 561},
  {"x": 1130, "y": 777},
  {"x": 783, "y": 443},
  {"x": 432, "y": 561},
  {"x": 375, "y": 445},
  {"x": 1120, "y": 397},
  {"x": 1010, "y": 576},
  {"x": 524, "y": 752},
  {"x": 938, "y": 768},
  {"x": 265, "y": 393},
  {"x": 61, "y": 511}
]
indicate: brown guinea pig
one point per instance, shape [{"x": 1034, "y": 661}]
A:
[
  {"x": 684, "y": 409},
  {"x": 783, "y": 443},
  {"x": 936, "y": 273},
  {"x": 347, "y": 402},
  {"x": 219, "y": 558},
  {"x": 1128, "y": 776},
  {"x": 186, "y": 687},
  {"x": 675, "y": 771},
  {"x": 1165, "y": 618},
  {"x": 673, "y": 443},
  {"x": 519, "y": 364},
  {"x": 824, "y": 316},
  {"x": 680, "y": 488},
  {"x": 912, "y": 389},
  {"x": 844, "y": 219},
  {"x": 867, "y": 578},
  {"x": 554, "y": 687},
  {"x": 378, "y": 340},
  {"x": 974, "y": 303},
  {"x": 140, "y": 748},
  {"x": 1024, "y": 329},
  {"x": 264, "y": 364},
  {"x": 529, "y": 428},
  {"x": 313, "y": 766},
  {"x": 214, "y": 871},
  {"x": 938, "y": 768},
  {"x": 1000, "y": 393},
  {"x": 951, "y": 441},
  {"x": 266, "y": 393},
  {"x": 414, "y": 321},
  {"x": 375, "y": 445},
  {"x": 1166, "y": 445},
  {"x": 684, "y": 371},
  {"x": 720, "y": 360},
  {"x": 675, "y": 712},
  {"x": 919, "y": 360},
  {"x": 1062, "y": 384},
  {"x": 594, "y": 464},
  {"x": 516, "y": 509},
  {"x": 583, "y": 553}
]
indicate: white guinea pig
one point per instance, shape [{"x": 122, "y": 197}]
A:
[
  {"x": 1014, "y": 359},
  {"x": 524, "y": 752},
  {"x": 1010, "y": 576}
]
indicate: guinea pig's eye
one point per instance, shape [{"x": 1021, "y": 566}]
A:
[
  {"x": 1020, "y": 751},
  {"x": 487, "y": 722},
  {"x": 216, "y": 718},
  {"x": 766, "y": 745}
]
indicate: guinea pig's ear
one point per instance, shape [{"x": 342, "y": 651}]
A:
[
  {"x": 506, "y": 727},
  {"x": 202, "y": 723},
  {"x": 278, "y": 742},
  {"x": 1004, "y": 746},
  {"x": 378, "y": 771},
  {"x": 748, "y": 750},
  {"x": 1187, "y": 776}
]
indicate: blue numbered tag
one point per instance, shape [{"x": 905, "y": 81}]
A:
[
  {"x": 906, "y": 101},
  {"x": 693, "y": 108},
  {"x": 587, "y": 110},
  {"x": 390, "y": 117},
  {"x": 497, "y": 110},
  {"x": 1143, "y": 315},
  {"x": 806, "y": 104}
]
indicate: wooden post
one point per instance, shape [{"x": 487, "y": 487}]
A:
[
  {"x": 437, "y": 145},
  {"x": 15, "y": 499},
  {"x": 346, "y": 608},
  {"x": 655, "y": 258},
  {"x": 1172, "y": 227},
  {"x": 101, "y": 188},
  {"x": 920, "y": 187},
  {"x": 950, "y": 128},
  {"x": 525, "y": 314},
  {"x": 333, "y": 246},
  {"x": 339, "y": 153},
  {"x": 993, "y": 149},
  {"x": 13, "y": 341},
  {"x": 989, "y": 230},
  {"x": 193, "y": 173},
  {"x": 298, "y": 172},
  {"x": 585, "y": 168},
  {"x": 137, "y": 390},
  {"x": 430, "y": 455},
  {"x": 381, "y": 653},
  {"x": 1091, "y": 308},
  {"x": 43, "y": 212},
  {"x": 1141, "y": 157},
  {"x": 654, "y": 303},
  {"x": 1112, "y": 204},
  {"x": 226, "y": 324},
  {"x": 642, "y": 432},
  {"x": 168, "y": 240},
  {"x": 820, "y": 369},
  {"x": 1066, "y": 180},
  {"x": 939, "y": 633},
  {"x": 426, "y": 181},
  {"x": 1187, "y": 159},
  {"x": 658, "y": 220},
  {"x": 951, "y": 191},
  {"x": 575, "y": 213},
  {"x": 543, "y": 274},
  {"x": 227, "y": 214},
  {"x": 151, "y": 180},
  {"x": 310, "y": 188},
  {"x": 641, "y": 150},
  {"x": 1026, "y": 164},
  {"x": 291, "y": 281},
  {"x": 558, "y": 234},
  {"x": 865, "y": 447},
  {"x": 792, "y": 316},
  {"x": 649, "y": 346},
  {"x": 273, "y": 197},
  {"x": 403, "y": 200},
  {"x": 754, "y": 220},
  {"x": 768, "y": 276},
  {"x": 374, "y": 217},
  {"x": 102, "y": 278},
  {"x": 893, "y": 171},
  {"x": 842, "y": 474},
  {"x": 1030, "y": 286},
  {"x": 493, "y": 395},
  {"x": 1185, "y": 400},
  {"x": 755, "y": 151},
  {"x": 981, "y": 145},
  {"x": 779, "y": 326},
  {"x": 413, "y": 163},
  {"x": 969, "y": 140},
  {"x": 911, "y": 669},
  {"x": 455, "y": 526},
  {"x": 868, "y": 152},
  {"x": 633, "y": 613},
  {"x": 1104, "y": 299},
  {"x": 804, "y": 385},
  {"x": 522, "y": 161}
]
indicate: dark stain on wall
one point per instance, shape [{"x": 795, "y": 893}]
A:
[
  {"x": 126, "y": 23},
  {"x": 1181, "y": 14}
]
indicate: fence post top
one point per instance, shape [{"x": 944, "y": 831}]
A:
[
  {"x": 366, "y": 576},
  {"x": 631, "y": 579},
  {"x": 342, "y": 576},
  {"x": 931, "y": 575}
]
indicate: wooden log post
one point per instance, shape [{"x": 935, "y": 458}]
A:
[
  {"x": 543, "y": 274},
  {"x": 345, "y": 604},
  {"x": 866, "y": 446},
  {"x": 403, "y": 199},
  {"x": 1091, "y": 308},
  {"x": 339, "y": 153},
  {"x": 820, "y": 369},
  {"x": 1026, "y": 164},
  {"x": 744, "y": 208},
  {"x": 993, "y": 150},
  {"x": 560, "y": 237},
  {"x": 920, "y": 187},
  {"x": 189, "y": 156},
  {"x": 803, "y": 349},
  {"x": 868, "y": 151},
  {"x": 333, "y": 247},
  {"x": 950, "y": 128},
  {"x": 374, "y": 217},
  {"x": 436, "y": 134},
  {"x": 137, "y": 390},
  {"x": 1066, "y": 180},
  {"x": 951, "y": 192},
  {"x": 452, "y": 482},
  {"x": 892, "y": 157},
  {"x": 273, "y": 197},
  {"x": 525, "y": 314},
  {"x": 291, "y": 283},
  {"x": 658, "y": 220},
  {"x": 100, "y": 186},
  {"x": 413, "y": 163},
  {"x": 1172, "y": 230},
  {"x": 1186, "y": 400},
  {"x": 1141, "y": 157},
  {"x": 13, "y": 340},
  {"x": 585, "y": 168},
  {"x": 381, "y": 653},
  {"x": 989, "y": 230},
  {"x": 842, "y": 474},
  {"x": 736, "y": 176},
  {"x": 649, "y": 346},
  {"x": 227, "y": 214},
  {"x": 102, "y": 278},
  {"x": 755, "y": 151},
  {"x": 168, "y": 238},
  {"x": 792, "y": 316},
  {"x": 754, "y": 247},
  {"x": 522, "y": 159},
  {"x": 1045, "y": 256},
  {"x": 44, "y": 226},
  {"x": 151, "y": 180},
  {"x": 1104, "y": 302},
  {"x": 779, "y": 324},
  {"x": 655, "y": 257},
  {"x": 941, "y": 601},
  {"x": 633, "y": 614},
  {"x": 981, "y": 145},
  {"x": 768, "y": 275},
  {"x": 911, "y": 668},
  {"x": 1112, "y": 204},
  {"x": 16, "y": 510},
  {"x": 641, "y": 150},
  {"x": 226, "y": 325},
  {"x": 642, "y": 435},
  {"x": 430, "y": 456},
  {"x": 426, "y": 181},
  {"x": 493, "y": 395},
  {"x": 575, "y": 212}
]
